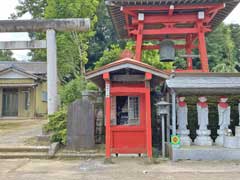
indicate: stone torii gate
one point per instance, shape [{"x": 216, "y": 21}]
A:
[{"x": 50, "y": 27}]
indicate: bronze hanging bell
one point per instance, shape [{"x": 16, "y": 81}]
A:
[{"x": 167, "y": 51}]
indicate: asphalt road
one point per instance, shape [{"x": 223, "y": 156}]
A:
[{"x": 122, "y": 169}]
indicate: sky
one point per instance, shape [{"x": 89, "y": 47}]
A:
[{"x": 8, "y": 7}]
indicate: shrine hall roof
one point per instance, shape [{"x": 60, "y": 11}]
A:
[
  {"x": 118, "y": 18},
  {"x": 126, "y": 63},
  {"x": 205, "y": 83}
]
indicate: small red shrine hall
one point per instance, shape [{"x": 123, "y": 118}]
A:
[
  {"x": 127, "y": 85},
  {"x": 169, "y": 26}
]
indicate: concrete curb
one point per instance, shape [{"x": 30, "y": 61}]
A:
[{"x": 54, "y": 147}]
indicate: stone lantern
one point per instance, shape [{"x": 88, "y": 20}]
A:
[{"x": 162, "y": 112}]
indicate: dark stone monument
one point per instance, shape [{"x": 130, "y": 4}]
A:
[{"x": 80, "y": 124}]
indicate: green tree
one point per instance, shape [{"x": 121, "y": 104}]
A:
[
  {"x": 73, "y": 47},
  {"x": 105, "y": 35},
  {"x": 149, "y": 57},
  {"x": 72, "y": 90},
  {"x": 6, "y": 55},
  {"x": 35, "y": 8},
  {"x": 221, "y": 50},
  {"x": 235, "y": 32},
  {"x": 109, "y": 55}
]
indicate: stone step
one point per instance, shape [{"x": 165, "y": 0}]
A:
[
  {"x": 23, "y": 155},
  {"x": 24, "y": 149},
  {"x": 83, "y": 151},
  {"x": 79, "y": 155}
]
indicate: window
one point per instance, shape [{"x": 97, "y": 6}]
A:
[
  {"x": 133, "y": 110},
  {"x": 125, "y": 110},
  {"x": 44, "y": 96},
  {"x": 26, "y": 100}
]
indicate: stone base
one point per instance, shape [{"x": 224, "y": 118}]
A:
[
  {"x": 203, "y": 141},
  {"x": 203, "y": 153},
  {"x": 203, "y": 138},
  {"x": 185, "y": 140},
  {"x": 184, "y": 137},
  {"x": 237, "y": 131},
  {"x": 232, "y": 142},
  {"x": 219, "y": 140}
]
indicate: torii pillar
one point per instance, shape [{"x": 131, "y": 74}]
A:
[{"x": 52, "y": 71}]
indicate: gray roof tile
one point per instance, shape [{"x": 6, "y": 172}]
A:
[{"x": 29, "y": 67}]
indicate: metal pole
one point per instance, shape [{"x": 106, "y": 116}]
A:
[
  {"x": 174, "y": 113},
  {"x": 163, "y": 136},
  {"x": 52, "y": 71},
  {"x": 168, "y": 121}
]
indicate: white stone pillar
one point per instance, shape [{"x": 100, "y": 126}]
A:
[
  {"x": 52, "y": 71},
  {"x": 182, "y": 122},
  {"x": 203, "y": 134},
  {"x": 224, "y": 112}
]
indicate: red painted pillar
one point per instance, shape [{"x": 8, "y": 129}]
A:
[
  {"x": 202, "y": 48},
  {"x": 139, "y": 41},
  {"x": 148, "y": 123},
  {"x": 148, "y": 77},
  {"x": 189, "y": 59},
  {"x": 106, "y": 77},
  {"x": 189, "y": 52}
]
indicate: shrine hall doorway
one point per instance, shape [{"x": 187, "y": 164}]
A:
[{"x": 128, "y": 123}]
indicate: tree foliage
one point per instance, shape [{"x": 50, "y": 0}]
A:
[
  {"x": 35, "y": 8},
  {"x": 73, "y": 47},
  {"x": 113, "y": 53},
  {"x": 109, "y": 55},
  {"x": 6, "y": 55},
  {"x": 105, "y": 36},
  {"x": 57, "y": 125},
  {"x": 222, "y": 50},
  {"x": 72, "y": 90},
  {"x": 235, "y": 33}
]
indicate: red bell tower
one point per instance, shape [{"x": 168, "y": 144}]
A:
[
  {"x": 169, "y": 25},
  {"x": 156, "y": 21}
]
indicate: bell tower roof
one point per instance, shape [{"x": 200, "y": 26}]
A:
[{"x": 119, "y": 19}]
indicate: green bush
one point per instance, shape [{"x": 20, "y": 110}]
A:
[
  {"x": 72, "y": 90},
  {"x": 57, "y": 125},
  {"x": 91, "y": 86}
]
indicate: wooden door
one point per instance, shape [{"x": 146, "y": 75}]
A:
[{"x": 10, "y": 102}]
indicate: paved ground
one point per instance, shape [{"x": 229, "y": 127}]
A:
[
  {"x": 16, "y": 132},
  {"x": 123, "y": 168}
]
